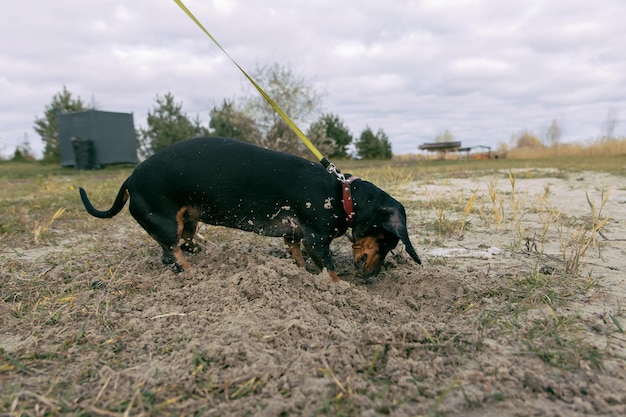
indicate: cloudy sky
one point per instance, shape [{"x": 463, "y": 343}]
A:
[{"x": 483, "y": 69}]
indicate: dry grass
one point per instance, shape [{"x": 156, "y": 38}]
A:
[{"x": 602, "y": 148}]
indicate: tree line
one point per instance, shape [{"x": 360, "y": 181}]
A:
[{"x": 249, "y": 118}]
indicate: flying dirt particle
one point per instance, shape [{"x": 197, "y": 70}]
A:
[
  {"x": 273, "y": 216},
  {"x": 327, "y": 204}
]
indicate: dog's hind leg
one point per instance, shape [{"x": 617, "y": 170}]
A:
[{"x": 165, "y": 229}]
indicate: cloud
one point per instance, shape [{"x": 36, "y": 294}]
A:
[{"x": 482, "y": 69}]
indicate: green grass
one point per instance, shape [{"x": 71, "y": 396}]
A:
[{"x": 27, "y": 170}]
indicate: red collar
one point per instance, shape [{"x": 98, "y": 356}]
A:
[{"x": 346, "y": 195}]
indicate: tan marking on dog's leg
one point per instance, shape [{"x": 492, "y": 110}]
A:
[
  {"x": 181, "y": 216},
  {"x": 180, "y": 222},
  {"x": 293, "y": 248},
  {"x": 180, "y": 258},
  {"x": 333, "y": 276}
]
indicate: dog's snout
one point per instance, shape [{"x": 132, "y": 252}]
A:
[
  {"x": 367, "y": 258},
  {"x": 360, "y": 262}
]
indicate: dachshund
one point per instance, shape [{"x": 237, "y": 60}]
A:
[{"x": 226, "y": 182}]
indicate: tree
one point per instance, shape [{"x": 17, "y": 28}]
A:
[
  {"x": 23, "y": 152},
  {"x": 167, "y": 124},
  {"x": 229, "y": 122},
  {"x": 294, "y": 95},
  {"x": 526, "y": 139},
  {"x": 385, "y": 144},
  {"x": 46, "y": 126},
  {"x": 333, "y": 129},
  {"x": 446, "y": 136},
  {"x": 318, "y": 135},
  {"x": 609, "y": 124},
  {"x": 553, "y": 134},
  {"x": 373, "y": 146}
]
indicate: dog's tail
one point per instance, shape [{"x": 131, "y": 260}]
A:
[{"x": 118, "y": 205}]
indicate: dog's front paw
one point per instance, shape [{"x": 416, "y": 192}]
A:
[{"x": 168, "y": 260}]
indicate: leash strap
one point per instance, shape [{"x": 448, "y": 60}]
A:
[{"x": 329, "y": 166}]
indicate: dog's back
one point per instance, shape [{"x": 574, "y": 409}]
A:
[{"x": 226, "y": 175}]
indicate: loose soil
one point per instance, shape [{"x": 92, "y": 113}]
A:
[{"x": 499, "y": 321}]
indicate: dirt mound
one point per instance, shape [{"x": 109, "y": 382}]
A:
[{"x": 294, "y": 339}]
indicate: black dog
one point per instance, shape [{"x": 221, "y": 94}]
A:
[{"x": 235, "y": 184}]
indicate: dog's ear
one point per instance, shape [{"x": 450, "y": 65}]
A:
[{"x": 395, "y": 223}]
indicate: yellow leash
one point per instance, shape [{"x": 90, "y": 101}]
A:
[{"x": 329, "y": 166}]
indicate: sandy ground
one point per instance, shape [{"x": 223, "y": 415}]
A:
[{"x": 496, "y": 322}]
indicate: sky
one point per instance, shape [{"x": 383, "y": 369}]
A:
[{"x": 482, "y": 69}]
